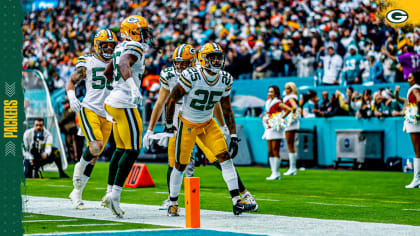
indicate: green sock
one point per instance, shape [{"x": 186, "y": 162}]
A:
[
  {"x": 124, "y": 166},
  {"x": 113, "y": 165},
  {"x": 87, "y": 156}
]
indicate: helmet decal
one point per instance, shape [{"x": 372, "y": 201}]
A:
[{"x": 132, "y": 20}]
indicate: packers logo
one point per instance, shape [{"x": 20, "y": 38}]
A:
[
  {"x": 132, "y": 20},
  {"x": 98, "y": 34},
  {"x": 192, "y": 51},
  {"x": 397, "y": 16}
]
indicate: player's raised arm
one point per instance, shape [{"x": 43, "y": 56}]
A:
[
  {"x": 177, "y": 93},
  {"x": 75, "y": 77}
]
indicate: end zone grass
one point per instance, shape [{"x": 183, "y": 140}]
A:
[{"x": 365, "y": 196}]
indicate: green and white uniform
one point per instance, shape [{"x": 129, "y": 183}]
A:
[{"x": 97, "y": 86}]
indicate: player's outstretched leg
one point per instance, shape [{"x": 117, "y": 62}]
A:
[
  {"x": 165, "y": 205},
  {"x": 76, "y": 194},
  {"x": 230, "y": 176},
  {"x": 246, "y": 195},
  {"x": 124, "y": 167},
  {"x": 113, "y": 167},
  {"x": 175, "y": 187}
]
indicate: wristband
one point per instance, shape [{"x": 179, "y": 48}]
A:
[
  {"x": 234, "y": 136},
  {"x": 71, "y": 94}
]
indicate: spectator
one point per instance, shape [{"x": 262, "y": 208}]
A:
[
  {"x": 365, "y": 110},
  {"x": 332, "y": 66},
  {"x": 378, "y": 108},
  {"x": 260, "y": 61},
  {"x": 393, "y": 107},
  {"x": 390, "y": 63},
  {"x": 409, "y": 61},
  {"x": 333, "y": 110},
  {"x": 309, "y": 107},
  {"x": 39, "y": 150},
  {"x": 68, "y": 127},
  {"x": 352, "y": 67},
  {"x": 376, "y": 70},
  {"x": 323, "y": 107},
  {"x": 244, "y": 60}
]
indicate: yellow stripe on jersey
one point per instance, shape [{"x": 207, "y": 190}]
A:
[
  {"x": 163, "y": 81},
  {"x": 185, "y": 81},
  {"x": 136, "y": 49},
  {"x": 228, "y": 88}
]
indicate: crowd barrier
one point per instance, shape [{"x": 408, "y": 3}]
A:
[
  {"x": 260, "y": 87},
  {"x": 396, "y": 142}
]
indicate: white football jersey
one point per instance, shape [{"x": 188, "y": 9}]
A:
[
  {"x": 120, "y": 96},
  {"x": 202, "y": 94},
  {"x": 97, "y": 86},
  {"x": 168, "y": 80}
]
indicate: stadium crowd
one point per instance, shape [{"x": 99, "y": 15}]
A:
[{"x": 338, "y": 42}]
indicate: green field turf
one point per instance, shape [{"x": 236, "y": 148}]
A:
[
  {"x": 39, "y": 224},
  {"x": 364, "y": 196}
]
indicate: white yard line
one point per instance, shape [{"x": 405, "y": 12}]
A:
[
  {"x": 410, "y": 209},
  {"x": 100, "y": 188},
  {"x": 217, "y": 220},
  {"x": 334, "y": 204},
  {"x": 31, "y": 221},
  {"x": 83, "y": 225},
  {"x": 61, "y": 186}
]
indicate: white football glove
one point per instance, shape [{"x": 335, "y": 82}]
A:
[
  {"x": 75, "y": 104},
  {"x": 147, "y": 139},
  {"x": 163, "y": 142},
  {"x": 226, "y": 132},
  {"x": 136, "y": 97}
]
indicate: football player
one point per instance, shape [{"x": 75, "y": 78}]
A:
[
  {"x": 183, "y": 57},
  {"x": 91, "y": 112},
  {"x": 125, "y": 71},
  {"x": 201, "y": 89}
]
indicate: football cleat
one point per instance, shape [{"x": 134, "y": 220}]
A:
[
  {"x": 291, "y": 172},
  {"x": 242, "y": 206},
  {"x": 249, "y": 198},
  {"x": 104, "y": 202},
  {"x": 76, "y": 198},
  {"x": 173, "y": 210},
  {"x": 165, "y": 205},
  {"x": 115, "y": 207}
]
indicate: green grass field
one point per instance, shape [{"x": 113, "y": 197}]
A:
[
  {"x": 39, "y": 224},
  {"x": 364, "y": 196}
]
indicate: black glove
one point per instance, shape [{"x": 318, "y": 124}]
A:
[
  {"x": 170, "y": 128},
  {"x": 234, "y": 140}
]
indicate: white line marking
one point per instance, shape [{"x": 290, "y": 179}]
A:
[
  {"x": 262, "y": 199},
  {"x": 61, "y": 186},
  {"x": 100, "y": 188},
  {"x": 179, "y": 193},
  {"x": 31, "y": 221},
  {"x": 334, "y": 204},
  {"x": 410, "y": 209},
  {"x": 246, "y": 223},
  {"x": 270, "y": 200},
  {"x": 83, "y": 225},
  {"x": 129, "y": 190}
]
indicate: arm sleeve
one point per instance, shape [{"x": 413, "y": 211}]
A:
[
  {"x": 133, "y": 48},
  {"x": 184, "y": 80},
  {"x": 229, "y": 82}
]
